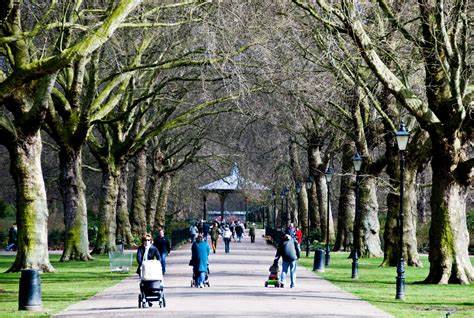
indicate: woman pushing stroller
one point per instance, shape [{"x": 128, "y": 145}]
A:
[{"x": 146, "y": 251}]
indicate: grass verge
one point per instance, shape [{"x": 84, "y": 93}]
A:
[
  {"x": 377, "y": 286},
  {"x": 73, "y": 282}
]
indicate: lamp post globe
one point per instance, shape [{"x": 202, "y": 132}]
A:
[
  {"x": 357, "y": 163},
  {"x": 328, "y": 175},
  {"x": 402, "y": 136}
]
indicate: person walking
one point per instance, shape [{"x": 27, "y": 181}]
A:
[
  {"x": 205, "y": 230},
  {"x": 232, "y": 229},
  {"x": 164, "y": 248},
  {"x": 299, "y": 235},
  {"x": 193, "y": 232},
  {"x": 239, "y": 231},
  {"x": 215, "y": 231},
  {"x": 227, "y": 237},
  {"x": 12, "y": 238},
  {"x": 252, "y": 231},
  {"x": 147, "y": 251},
  {"x": 289, "y": 251},
  {"x": 200, "y": 260}
]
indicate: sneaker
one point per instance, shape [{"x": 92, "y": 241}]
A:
[
  {"x": 201, "y": 286},
  {"x": 292, "y": 286}
]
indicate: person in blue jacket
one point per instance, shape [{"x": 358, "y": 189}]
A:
[{"x": 200, "y": 260}]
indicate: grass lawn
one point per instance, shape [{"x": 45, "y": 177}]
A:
[
  {"x": 377, "y": 286},
  {"x": 73, "y": 281}
]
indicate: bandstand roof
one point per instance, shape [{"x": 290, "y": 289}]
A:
[{"x": 233, "y": 182}]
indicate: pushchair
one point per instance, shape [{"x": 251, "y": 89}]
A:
[
  {"x": 273, "y": 279},
  {"x": 206, "y": 280},
  {"x": 151, "y": 284}
]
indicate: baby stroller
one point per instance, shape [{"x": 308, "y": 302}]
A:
[
  {"x": 273, "y": 278},
  {"x": 206, "y": 281},
  {"x": 151, "y": 285}
]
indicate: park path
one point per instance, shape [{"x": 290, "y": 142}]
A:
[{"x": 237, "y": 290}]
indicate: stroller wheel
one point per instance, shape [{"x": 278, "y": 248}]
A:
[
  {"x": 164, "y": 302},
  {"x": 150, "y": 304},
  {"x": 266, "y": 284},
  {"x": 208, "y": 284},
  {"x": 139, "y": 300}
]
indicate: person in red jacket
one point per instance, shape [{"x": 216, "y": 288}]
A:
[{"x": 299, "y": 235}]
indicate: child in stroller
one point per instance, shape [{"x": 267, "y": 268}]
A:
[
  {"x": 151, "y": 285},
  {"x": 273, "y": 278},
  {"x": 195, "y": 277}
]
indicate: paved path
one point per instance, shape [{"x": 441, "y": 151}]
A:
[{"x": 237, "y": 290}]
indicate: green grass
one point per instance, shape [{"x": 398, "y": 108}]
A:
[
  {"x": 377, "y": 286},
  {"x": 73, "y": 282}
]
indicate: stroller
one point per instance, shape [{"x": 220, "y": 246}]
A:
[
  {"x": 273, "y": 279},
  {"x": 206, "y": 281},
  {"x": 151, "y": 285}
]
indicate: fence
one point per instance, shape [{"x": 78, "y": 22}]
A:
[{"x": 179, "y": 236}]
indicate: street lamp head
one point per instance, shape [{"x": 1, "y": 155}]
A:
[
  {"x": 402, "y": 137},
  {"x": 309, "y": 182},
  {"x": 357, "y": 161},
  {"x": 329, "y": 174},
  {"x": 298, "y": 187}
]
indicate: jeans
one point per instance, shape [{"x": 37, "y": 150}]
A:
[
  {"x": 239, "y": 237},
  {"x": 252, "y": 238},
  {"x": 163, "y": 261},
  {"x": 227, "y": 244},
  {"x": 292, "y": 267},
  {"x": 200, "y": 278}
]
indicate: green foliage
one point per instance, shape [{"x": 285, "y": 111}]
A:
[
  {"x": 422, "y": 237},
  {"x": 56, "y": 239},
  {"x": 7, "y": 210},
  {"x": 73, "y": 282},
  {"x": 377, "y": 286}
]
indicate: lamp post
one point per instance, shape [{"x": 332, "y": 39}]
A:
[
  {"x": 357, "y": 162},
  {"x": 282, "y": 197},
  {"x": 309, "y": 184},
  {"x": 402, "y": 136},
  {"x": 287, "y": 191},
  {"x": 328, "y": 175},
  {"x": 273, "y": 196},
  {"x": 298, "y": 191}
]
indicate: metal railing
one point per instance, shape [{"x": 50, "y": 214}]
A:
[{"x": 179, "y": 236}]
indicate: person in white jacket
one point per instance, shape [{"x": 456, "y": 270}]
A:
[{"x": 227, "y": 237}]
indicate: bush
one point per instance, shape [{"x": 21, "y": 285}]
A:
[
  {"x": 6, "y": 209},
  {"x": 56, "y": 239}
]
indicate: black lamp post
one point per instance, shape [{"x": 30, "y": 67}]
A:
[
  {"x": 283, "y": 216},
  {"x": 357, "y": 162},
  {"x": 402, "y": 141},
  {"x": 287, "y": 191},
  {"x": 298, "y": 191},
  {"x": 274, "y": 208},
  {"x": 328, "y": 174},
  {"x": 309, "y": 184}
]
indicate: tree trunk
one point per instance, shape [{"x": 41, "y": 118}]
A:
[
  {"x": 346, "y": 211},
  {"x": 137, "y": 217},
  {"x": 302, "y": 196},
  {"x": 72, "y": 189},
  {"x": 449, "y": 237},
  {"x": 314, "y": 213},
  {"x": 165, "y": 187},
  {"x": 107, "y": 212},
  {"x": 322, "y": 194},
  {"x": 123, "y": 231},
  {"x": 32, "y": 209},
  {"x": 152, "y": 201},
  {"x": 391, "y": 239},
  {"x": 422, "y": 203},
  {"x": 369, "y": 231}
]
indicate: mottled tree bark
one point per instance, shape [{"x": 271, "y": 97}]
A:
[
  {"x": 346, "y": 211},
  {"x": 449, "y": 237},
  {"x": 369, "y": 243},
  {"x": 302, "y": 196},
  {"x": 160, "y": 216},
  {"x": 72, "y": 189},
  {"x": 107, "y": 212},
  {"x": 322, "y": 194},
  {"x": 137, "y": 216},
  {"x": 123, "y": 231},
  {"x": 312, "y": 152},
  {"x": 32, "y": 209},
  {"x": 152, "y": 200}
]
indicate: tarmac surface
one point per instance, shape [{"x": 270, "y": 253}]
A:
[{"x": 237, "y": 290}]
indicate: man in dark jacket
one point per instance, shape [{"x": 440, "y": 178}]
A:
[
  {"x": 146, "y": 251},
  {"x": 289, "y": 250},
  {"x": 164, "y": 248},
  {"x": 205, "y": 230}
]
